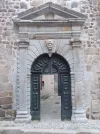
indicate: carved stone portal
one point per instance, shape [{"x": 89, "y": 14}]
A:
[{"x": 47, "y": 31}]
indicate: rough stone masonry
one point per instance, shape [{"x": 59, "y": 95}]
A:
[{"x": 8, "y": 52}]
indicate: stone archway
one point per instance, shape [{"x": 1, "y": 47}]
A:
[{"x": 51, "y": 65}]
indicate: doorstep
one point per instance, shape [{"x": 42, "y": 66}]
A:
[{"x": 50, "y": 127}]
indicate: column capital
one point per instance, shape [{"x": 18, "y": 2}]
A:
[
  {"x": 75, "y": 42},
  {"x": 23, "y": 44}
]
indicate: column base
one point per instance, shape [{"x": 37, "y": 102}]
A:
[
  {"x": 23, "y": 117},
  {"x": 79, "y": 116}
]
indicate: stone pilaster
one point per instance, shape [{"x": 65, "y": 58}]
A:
[
  {"x": 73, "y": 91},
  {"x": 79, "y": 113},
  {"x": 23, "y": 114}
]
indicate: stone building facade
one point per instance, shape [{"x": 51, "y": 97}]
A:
[{"x": 12, "y": 33}]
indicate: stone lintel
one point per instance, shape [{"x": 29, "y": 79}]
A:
[
  {"x": 53, "y": 35},
  {"x": 78, "y": 22}
]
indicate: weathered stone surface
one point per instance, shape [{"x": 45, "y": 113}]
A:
[
  {"x": 1, "y": 87},
  {"x": 2, "y": 113},
  {"x": 8, "y": 86},
  {"x": 6, "y": 106},
  {"x": 84, "y": 133},
  {"x": 3, "y": 10},
  {"x": 5, "y": 100},
  {"x": 47, "y": 131},
  {"x": 23, "y": 5},
  {"x": 12, "y": 131},
  {"x": 2, "y": 69},
  {"x": 10, "y": 113},
  {"x": 95, "y": 106},
  {"x": 4, "y": 93},
  {"x": 8, "y": 37}
]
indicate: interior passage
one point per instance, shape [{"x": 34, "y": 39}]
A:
[{"x": 50, "y": 101}]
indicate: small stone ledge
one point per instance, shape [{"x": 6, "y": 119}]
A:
[
  {"x": 78, "y": 128},
  {"x": 46, "y": 131}
]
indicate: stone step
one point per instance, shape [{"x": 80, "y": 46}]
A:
[{"x": 46, "y": 131}]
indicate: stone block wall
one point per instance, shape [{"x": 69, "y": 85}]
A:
[
  {"x": 98, "y": 5},
  {"x": 6, "y": 111},
  {"x": 8, "y": 47},
  {"x": 92, "y": 58}
]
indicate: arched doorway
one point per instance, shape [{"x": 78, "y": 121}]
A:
[{"x": 55, "y": 64}]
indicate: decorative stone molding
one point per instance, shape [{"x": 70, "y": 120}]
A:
[
  {"x": 73, "y": 91},
  {"x": 23, "y": 44},
  {"x": 51, "y": 47},
  {"x": 50, "y": 5},
  {"x": 75, "y": 42},
  {"x": 79, "y": 113},
  {"x": 30, "y": 49},
  {"x": 53, "y": 35},
  {"x": 23, "y": 114}
]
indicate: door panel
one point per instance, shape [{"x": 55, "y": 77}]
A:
[
  {"x": 66, "y": 107},
  {"x": 35, "y": 97},
  {"x": 50, "y": 65},
  {"x": 59, "y": 85}
]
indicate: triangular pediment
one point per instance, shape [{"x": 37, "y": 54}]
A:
[{"x": 50, "y": 11}]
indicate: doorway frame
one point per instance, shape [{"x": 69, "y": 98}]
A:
[
  {"x": 31, "y": 32},
  {"x": 54, "y": 64}
]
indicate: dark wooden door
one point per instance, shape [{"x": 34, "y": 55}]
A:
[
  {"x": 35, "y": 96},
  {"x": 66, "y": 105},
  {"x": 51, "y": 65},
  {"x": 59, "y": 85}
]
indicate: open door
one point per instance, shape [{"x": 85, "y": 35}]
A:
[
  {"x": 66, "y": 107},
  {"x": 35, "y": 96}
]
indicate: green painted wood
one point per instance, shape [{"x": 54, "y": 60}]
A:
[
  {"x": 51, "y": 65},
  {"x": 35, "y": 96},
  {"x": 59, "y": 85}
]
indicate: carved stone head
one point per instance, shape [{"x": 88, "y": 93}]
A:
[{"x": 50, "y": 46}]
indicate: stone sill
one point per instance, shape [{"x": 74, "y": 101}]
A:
[
  {"x": 89, "y": 127},
  {"x": 47, "y": 131}
]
